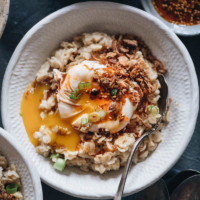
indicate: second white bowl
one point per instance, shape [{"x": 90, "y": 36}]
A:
[
  {"x": 178, "y": 29},
  {"x": 31, "y": 184}
]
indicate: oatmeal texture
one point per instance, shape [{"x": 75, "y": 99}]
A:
[
  {"x": 129, "y": 78},
  {"x": 9, "y": 175}
]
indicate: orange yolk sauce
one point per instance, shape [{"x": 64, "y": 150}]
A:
[{"x": 32, "y": 121}]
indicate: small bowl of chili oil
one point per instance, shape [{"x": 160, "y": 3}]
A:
[{"x": 182, "y": 16}]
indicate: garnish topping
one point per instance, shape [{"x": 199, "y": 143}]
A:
[
  {"x": 76, "y": 94},
  {"x": 153, "y": 110}
]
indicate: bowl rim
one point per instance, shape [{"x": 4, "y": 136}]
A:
[
  {"x": 4, "y": 16},
  {"x": 171, "y": 35},
  {"x": 148, "y": 6},
  {"x": 32, "y": 170}
]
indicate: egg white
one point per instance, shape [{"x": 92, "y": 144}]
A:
[
  {"x": 83, "y": 72},
  {"x": 115, "y": 125}
]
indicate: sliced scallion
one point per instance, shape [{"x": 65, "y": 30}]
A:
[
  {"x": 102, "y": 113},
  {"x": 54, "y": 155},
  {"x": 76, "y": 94},
  {"x": 132, "y": 86},
  {"x": 153, "y": 110},
  {"x": 94, "y": 117},
  {"x": 59, "y": 164},
  {"x": 115, "y": 117},
  {"x": 84, "y": 121},
  {"x": 11, "y": 188},
  {"x": 114, "y": 92},
  {"x": 102, "y": 80},
  {"x": 85, "y": 85}
]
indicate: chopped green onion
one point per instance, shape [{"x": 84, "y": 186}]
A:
[
  {"x": 153, "y": 110},
  {"x": 115, "y": 117},
  {"x": 102, "y": 113},
  {"x": 114, "y": 91},
  {"x": 84, "y": 121},
  {"x": 11, "y": 188},
  {"x": 94, "y": 117},
  {"x": 59, "y": 164},
  {"x": 54, "y": 155},
  {"x": 20, "y": 114},
  {"x": 102, "y": 79},
  {"x": 85, "y": 85},
  {"x": 132, "y": 86},
  {"x": 75, "y": 94}
]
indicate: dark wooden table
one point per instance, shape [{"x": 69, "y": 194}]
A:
[{"x": 24, "y": 14}]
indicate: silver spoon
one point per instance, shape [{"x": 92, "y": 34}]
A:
[{"x": 162, "y": 104}]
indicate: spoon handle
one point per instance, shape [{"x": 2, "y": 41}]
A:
[
  {"x": 162, "y": 104},
  {"x": 120, "y": 189}
]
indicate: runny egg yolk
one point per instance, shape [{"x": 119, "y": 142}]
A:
[{"x": 32, "y": 120}]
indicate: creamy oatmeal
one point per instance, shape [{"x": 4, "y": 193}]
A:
[
  {"x": 92, "y": 99},
  {"x": 10, "y": 184}
]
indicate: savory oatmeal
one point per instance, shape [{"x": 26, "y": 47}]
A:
[
  {"x": 10, "y": 184},
  {"x": 92, "y": 99}
]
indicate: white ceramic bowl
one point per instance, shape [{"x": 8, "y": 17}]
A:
[
  {"x": 112, "y": 18},
  {"x": 178, "y": 29},
  {"x": 4, "y": 10},
  {"x": 31, "y": 184}
]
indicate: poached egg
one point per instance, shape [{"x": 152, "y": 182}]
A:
[{"x": 69, "y": 82}]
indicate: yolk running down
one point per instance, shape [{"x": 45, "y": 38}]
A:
[{"x": 32, "y": 120}]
